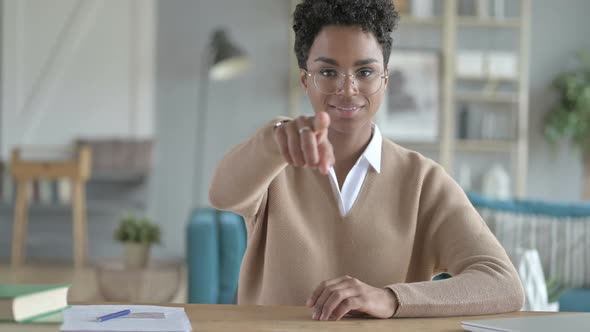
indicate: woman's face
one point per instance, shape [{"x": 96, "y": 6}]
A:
[{"x": 348, "y": 50}]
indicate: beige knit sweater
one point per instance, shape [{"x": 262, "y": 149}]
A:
[{"x": 408, "y": 222}]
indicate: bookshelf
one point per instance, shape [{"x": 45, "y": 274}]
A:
[
  {"x": 513, "y": 100},
  {"x": 468, "y": 145},
  {"x": 507, "y": 23},
  {"x": 422, "y": 21},
  {"x": 482, "y": 97}
]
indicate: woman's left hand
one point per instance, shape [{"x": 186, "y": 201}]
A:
[{"x": 333, "y": 299}]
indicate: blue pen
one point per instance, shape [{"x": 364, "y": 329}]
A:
[{"x": 113, "y": 315}]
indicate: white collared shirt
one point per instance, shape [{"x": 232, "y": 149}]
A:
[{"x": 351, "y": 187}]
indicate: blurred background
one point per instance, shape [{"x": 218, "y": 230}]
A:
[{"x": 142, "y": 85}]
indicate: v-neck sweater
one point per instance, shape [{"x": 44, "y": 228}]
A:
[{"x": 408, "y": 223}]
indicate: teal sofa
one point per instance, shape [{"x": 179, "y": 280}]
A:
[
  {"x": 216, "y": 242},
  {"x": 562, "y": 232}
]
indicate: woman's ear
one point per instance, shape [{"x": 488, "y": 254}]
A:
[
  {"x": 386, "y": 73},
  {"x": 303, "y": 80}
]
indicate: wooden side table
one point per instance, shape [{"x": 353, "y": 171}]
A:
[{"x": 77, "y": 171}]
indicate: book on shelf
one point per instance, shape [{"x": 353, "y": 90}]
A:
[
  {"x": 6, "y": 185},
  {"x": 402, "y": 6},
  {"x": 422, "y": 8},
  {"x": 483, "y": 9},
  {"x": 33, "y": 191},
  {"x": 26, "y": 303}
]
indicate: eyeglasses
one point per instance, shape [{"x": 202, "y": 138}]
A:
[{"x": 330, "y": 81}]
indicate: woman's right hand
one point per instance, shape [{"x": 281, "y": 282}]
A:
[{"x": 304, "y": 142}]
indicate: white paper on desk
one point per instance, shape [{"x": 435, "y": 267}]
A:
[{"x": 82, "y": 318}]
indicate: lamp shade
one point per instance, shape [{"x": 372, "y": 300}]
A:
[{"x": 227, "y": 59}]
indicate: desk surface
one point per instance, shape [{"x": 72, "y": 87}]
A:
[{"x": 276, "y": 318}]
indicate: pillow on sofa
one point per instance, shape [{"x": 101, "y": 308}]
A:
[{"x": 559, "y": 232}]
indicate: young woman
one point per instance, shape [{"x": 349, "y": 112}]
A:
[{"x": 344, "y": 220}]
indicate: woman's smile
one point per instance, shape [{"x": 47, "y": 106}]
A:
[{"x": 344, "y": 110}]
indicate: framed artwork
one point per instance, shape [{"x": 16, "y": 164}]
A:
[{"x": 411, "y": 106}]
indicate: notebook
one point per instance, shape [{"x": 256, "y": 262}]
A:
[
  {"x": 29, "y": 303},
  {"x": 548, "y": 323},
  {"x": 142, "y": 318}
]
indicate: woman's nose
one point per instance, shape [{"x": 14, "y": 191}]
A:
[{"x": 349, "y": 87}]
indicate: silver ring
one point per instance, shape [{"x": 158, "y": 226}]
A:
[
  {"x": 280, "y": 123},
  {"x": 301, "y": 130}
]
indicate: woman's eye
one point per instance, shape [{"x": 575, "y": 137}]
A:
[
  {"x": 328, "y": 72},
  {"x": 364, "y": 73}
]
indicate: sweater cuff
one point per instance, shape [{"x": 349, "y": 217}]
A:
[{"x": 397, "y": 300}]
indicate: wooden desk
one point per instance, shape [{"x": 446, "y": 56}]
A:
[{"x": 233, "y": 318}]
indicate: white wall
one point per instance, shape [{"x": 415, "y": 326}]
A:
[
  {"x": 559, "y": 30},
  {"x": 75, "y": 68},
  {"x": 236, "y": 108}
]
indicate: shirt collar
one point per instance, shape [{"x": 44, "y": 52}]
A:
[{"x": 373, "y": 151}]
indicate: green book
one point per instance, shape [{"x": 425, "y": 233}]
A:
[{"x": 32, "y": 303}]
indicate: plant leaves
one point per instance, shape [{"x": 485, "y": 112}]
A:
[{"x": 137, "y": 230}]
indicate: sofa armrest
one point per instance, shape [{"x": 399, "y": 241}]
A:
[
  {"x": 202, "y": 256},
  {"x": 232, "y": 241}
]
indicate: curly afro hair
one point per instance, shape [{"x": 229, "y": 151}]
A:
[{"x": 378, "y": 17}]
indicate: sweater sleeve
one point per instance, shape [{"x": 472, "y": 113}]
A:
[
  {"x": 458, "y": 240},
  {"x": 244, "y": 174}
]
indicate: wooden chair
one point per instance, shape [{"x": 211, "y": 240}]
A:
[{"x": 24, "y": 172}]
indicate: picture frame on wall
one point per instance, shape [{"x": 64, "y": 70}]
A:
[{"x": 411, "y": 104}]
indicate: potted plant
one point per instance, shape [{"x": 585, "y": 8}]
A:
[
  {"x": 570, "y": 116},
  {"x": 554, "y": 291},
  {"x": 137, "y": 234}
]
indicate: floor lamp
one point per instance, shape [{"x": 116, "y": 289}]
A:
[{"x": 223, "y": 60}]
